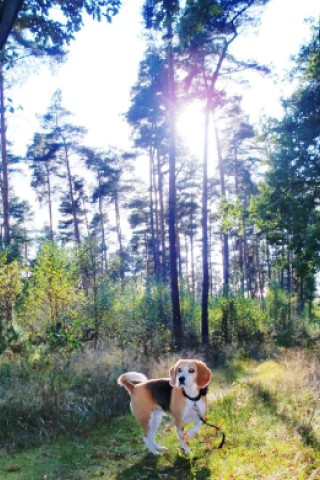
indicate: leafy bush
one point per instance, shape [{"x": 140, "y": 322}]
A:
[
  {"x": 237, "y": 322},
  {"x": 142, "y": 319},
  {"x": 52, "y": 296},
  {"x": 10, "y": 289},
  {"x": 284, "y": 325}
]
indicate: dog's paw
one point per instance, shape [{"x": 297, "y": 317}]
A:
[
  {"x": 161, "y": 448},
  {"x": 186, "y": 450}
]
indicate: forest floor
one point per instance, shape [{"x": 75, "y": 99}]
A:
[{"x": 269, "y": 411}]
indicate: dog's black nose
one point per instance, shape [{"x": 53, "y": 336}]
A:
[{"x": 181, "y": 380}]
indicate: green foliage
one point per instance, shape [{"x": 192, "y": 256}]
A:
[
  {"x": 52, "y": 300},
  {"x": 191, "y": 314},
  {"x": 52, "y": 24},
  {"x": 158, "y": 13},
  {"x": 285, "y": 327},
  {"x": 238, "y": 322},
  {"x": 141, "y": 319},
  {"x": 232, "y": 214},
  {"x": 48, "y": 393},
  {"x": 280, "y": 306},
  {"x": 10, "y": 289},
  {"x": 287, "y": 209}
]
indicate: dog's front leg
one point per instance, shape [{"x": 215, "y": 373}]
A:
[
  {"x": 193, "y": 430},
  {"x": 183, "y": 440}
]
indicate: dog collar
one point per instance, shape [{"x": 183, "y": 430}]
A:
[{"x": 202, "y": 393}]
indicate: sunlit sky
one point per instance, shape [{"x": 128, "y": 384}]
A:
[
  {"x": 104, "y": 59},
  {"x": 103, "y": 63}
]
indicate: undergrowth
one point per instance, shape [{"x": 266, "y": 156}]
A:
[{"x": 269, "y": 411}]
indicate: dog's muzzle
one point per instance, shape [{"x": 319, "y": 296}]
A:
[{"x": 181, "y": 381}]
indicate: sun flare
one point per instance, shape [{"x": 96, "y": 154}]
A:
[{"x": 190, "y": 124}]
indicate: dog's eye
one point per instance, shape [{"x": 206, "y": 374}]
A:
[
  {"x": 191, "y": 370},
  {"x": 179, "y": 369}
]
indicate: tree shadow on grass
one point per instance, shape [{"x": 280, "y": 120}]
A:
[
  {"x": 304, "y": 428},
  {"x": 151, "y": 467}
]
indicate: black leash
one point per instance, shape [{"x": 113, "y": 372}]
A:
[
  {"x": 203, "y": 393},
  {"x": 213, "y": 426}
]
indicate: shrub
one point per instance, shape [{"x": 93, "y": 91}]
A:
[
  {"x": 45, "y": 394},
  {"x": 237, "y": 322}
]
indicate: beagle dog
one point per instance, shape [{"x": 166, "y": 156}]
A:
[{"x": 182, "y": 395}]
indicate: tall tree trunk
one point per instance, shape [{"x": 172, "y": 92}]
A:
[
  {"x": 249, "y": 269},
  {"x": 241, "y": 249},
  {"x": 186, "y": 250},
  {"x": 193, "y": 270},
  {"x": 103, "y": 233},
  {"x": 259, "y": 279},
  {"x": 4, "y": 160},
  {"x": 156, "y": 215},
  {"x": 205, "y": 264},
  {"x": 162, "y": 220},
  {"x": 49, "y": 201},
  {"x": 204, "y": 224},
  {"x": 119, "y": 234},
  {"x": 154, "y": 240},
  {"x": 176, "y": 315},
  {"x": 242, "y": 228},
  {"x": 225, "y": 236},
  {"x": 71, "y": 193},
  {"x": 268, "y": 260}
]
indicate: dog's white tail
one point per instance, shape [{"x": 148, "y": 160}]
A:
[{"x": 130, "y": 379}]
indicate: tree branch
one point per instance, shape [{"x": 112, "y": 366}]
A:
[{"x": 8, "y": 15}]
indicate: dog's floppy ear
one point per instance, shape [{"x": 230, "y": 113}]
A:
[
  {"x": 173, "y": 375},
  {"x": 203, "y": 374}
]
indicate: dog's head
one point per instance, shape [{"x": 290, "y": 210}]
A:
[{"x": 186, "y": 373}]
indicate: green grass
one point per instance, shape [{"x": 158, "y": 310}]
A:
[{"x": 265, "y": 413}]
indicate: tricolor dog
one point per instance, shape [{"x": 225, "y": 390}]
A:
[{"x": 183, "y": 396}]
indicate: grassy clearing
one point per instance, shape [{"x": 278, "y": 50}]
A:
[{"x": 269, "y": 411}]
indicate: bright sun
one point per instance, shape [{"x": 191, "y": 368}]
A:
[{"x": 190, "y": 127}]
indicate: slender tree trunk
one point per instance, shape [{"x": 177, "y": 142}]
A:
[
  {"x": 158, "y": 233},
  {"x": 241, "y": 227},
  {"x": 103, "y": 233},
  {"x": 156, "y": 215},
  {"x": 154, "y": 242},
  {"x": 119, "y": 234},
  {"x": 204, "y": 224},
  {"x": 225, "y": 236},
  {"x": 259, "y": 279},
  {"x": 71, "y": 193},
  {"x": 205, "y": 264},
  {"x": 180, "y": 272},
  {"x": 210, "y": 257},
  {"x": 146, "y": 254},
  {"x": 95, "y": 287},
  {"x": 162, "y": 220},
  {"x": 241, "y": 264},
  {"x": 301, "y": 299},
  {"x": 4, "y": 160},
  {"x": 49, "y": 202},
  {"x": 249, "y": 269},
  {"x": 187, "y": 269},
  {"x": 193, "y": 272},
  {"x": 268, "y": 259},
  {"x": 176, "y": 315},
  {"x": 73, "y": 205}
]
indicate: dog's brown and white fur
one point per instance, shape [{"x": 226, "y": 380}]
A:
[{"x": 151, "y": 399}]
